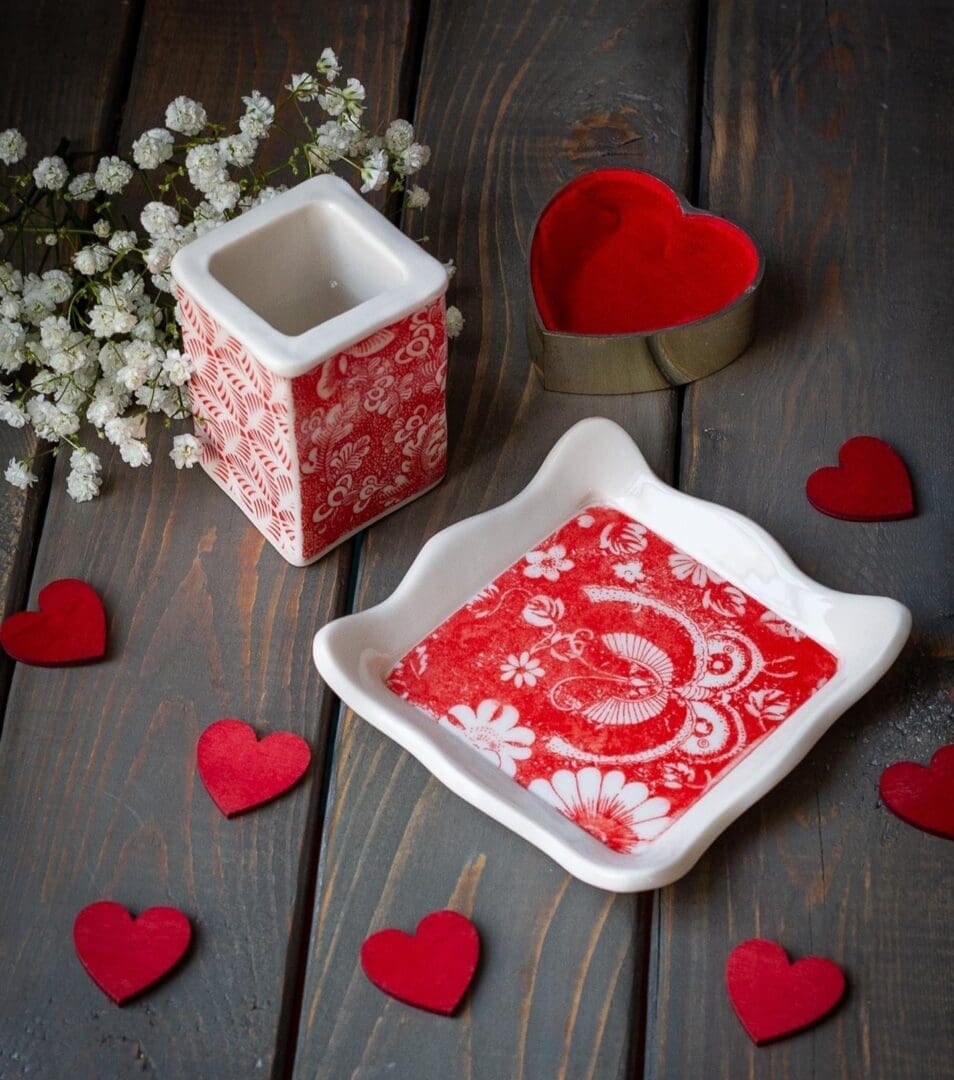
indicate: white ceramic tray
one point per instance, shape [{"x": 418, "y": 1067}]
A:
[{"x": 609, "y": 667}]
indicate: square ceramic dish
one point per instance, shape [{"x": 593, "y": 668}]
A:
[{"x": 609, "y": 667}]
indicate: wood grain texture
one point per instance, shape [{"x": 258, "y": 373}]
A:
[
  {"x": 515, "y": 100},
  {"x": 830, "y": 140},
  {"x": 100, "y": 795},
  {"x": 50, "y": 99}
]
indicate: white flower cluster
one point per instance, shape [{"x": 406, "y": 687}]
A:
[{"x": 95, "y": 340}]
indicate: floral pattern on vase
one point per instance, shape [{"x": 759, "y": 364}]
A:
[
  {"x": 313, "y": 459},
  {"x": 613, "y": 675}
]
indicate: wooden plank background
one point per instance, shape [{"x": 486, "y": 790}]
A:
[
  {"x": 80, "y": 102},
  {"x": 97, "y": 763},
  {"x": 826, "y": 131},
  {"x": 825, "y": 138}
]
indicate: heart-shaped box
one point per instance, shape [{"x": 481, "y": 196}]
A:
[{"x": 634, "y": 289}]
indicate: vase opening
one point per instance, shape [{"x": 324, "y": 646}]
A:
[{"x": 307, "y": 267}]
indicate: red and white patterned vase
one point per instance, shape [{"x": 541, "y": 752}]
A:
[{"x": 318, "y": 336}]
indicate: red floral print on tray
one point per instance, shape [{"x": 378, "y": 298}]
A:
[
  {"x": 313, "y": 459},
  {"x": 613, "y": 675}
]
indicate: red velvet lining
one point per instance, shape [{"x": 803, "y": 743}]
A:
[{"x": 614, "y": 253}]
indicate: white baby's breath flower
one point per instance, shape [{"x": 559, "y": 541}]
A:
[
  {"x": 417, "y": 198},
  {"x": 455, "y": 322},
  {"x": 413, "y": 159},
  {"x": 104, "y": 406},
  {"x": 177, "y": 367},
  {"x": 224, "y": 196},
  {"x": 122, "y": 241},
  {"x": 102, "y": 228},
  {"x": 12, "y": 413},
  {"x": 19, "y": 474},
  {"x": 152, "y": 148},
  {"x": 84, "y": 480},
  {"x": 374, "y": 171},
  {"x": 305, "y": 87},
  {"x": 207, "y": 218},
  {"x": 107, "y": 319},
  {"x": 13, "y": 146},
  {"x": 347, "y": 100},
  {"x": 11, "y": 280},
  {"x": 399, "y": 135},
  {"x": 259, "y": 115},
  {"x": 205, "y": 167},
  {"x": 238, "y": 150},
  {"x": 334, "y": 136},
  {"x": 186, "y": 116},
  {"x": 13, "y": 339},
  {"x": 58, "y": 284},
  {"x": 185, "y": 451},
  {"x": 112, "y": 175},
  {"x": 50, "y": 173},
  {"x": 159, "y": 218},
  {"x": 83, "y": 187},
  {"x": 328, "y": 65},
  {"x": 135, "y": 453},
  {"x": 92, "y": 259}
]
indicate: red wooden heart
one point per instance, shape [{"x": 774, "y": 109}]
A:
[
  {"x": 239, "y": 772},
  {"x": 69, "y": 628},
  {"x": 124, "y": 955},
  {"x": 774, "y": 998},
  {"x": 431, "y": 968},
  {"x": 870, "y": 483},
  {"x": 923, "y": 797},
  {"x": 614, "y": 252}
]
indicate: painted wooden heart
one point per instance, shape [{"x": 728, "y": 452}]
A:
[
  {"x": 616, "y": 252},
  {"x": 431, "y": 968},
  {"x": 241, "y": 772},
  {"x": 923, "y": 797},
  {"x": 68, "y": 628},
  {"x": 870, "y": 483},
  {"x": 773, "y": 997},
  {"x": 125, "y": 956}
]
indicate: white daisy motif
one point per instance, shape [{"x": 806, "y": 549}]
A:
[
  {"x": 618, "y": 814},
  {"x": 523, "y": 669},
  {"x": 549, "y": 564},
  {"x": 685, "y": 568},
  {"x": 492, "y": 730}
]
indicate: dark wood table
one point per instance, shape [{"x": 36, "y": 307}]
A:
[{"x": 823, "y": 128}]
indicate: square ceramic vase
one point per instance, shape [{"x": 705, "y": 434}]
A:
[{"x": 318, "y": 336}]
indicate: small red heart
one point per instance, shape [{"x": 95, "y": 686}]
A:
[
  {"x": 124, "y": 955},
  {"x": 923, "y": 797},
  {"x": 774, "y": 998},
  {"x": 239, "y": 772},
  {"x": 69, "y": 628},
  {"x": 431, "y": 968},
  {"x": 870, "y": 483}
]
